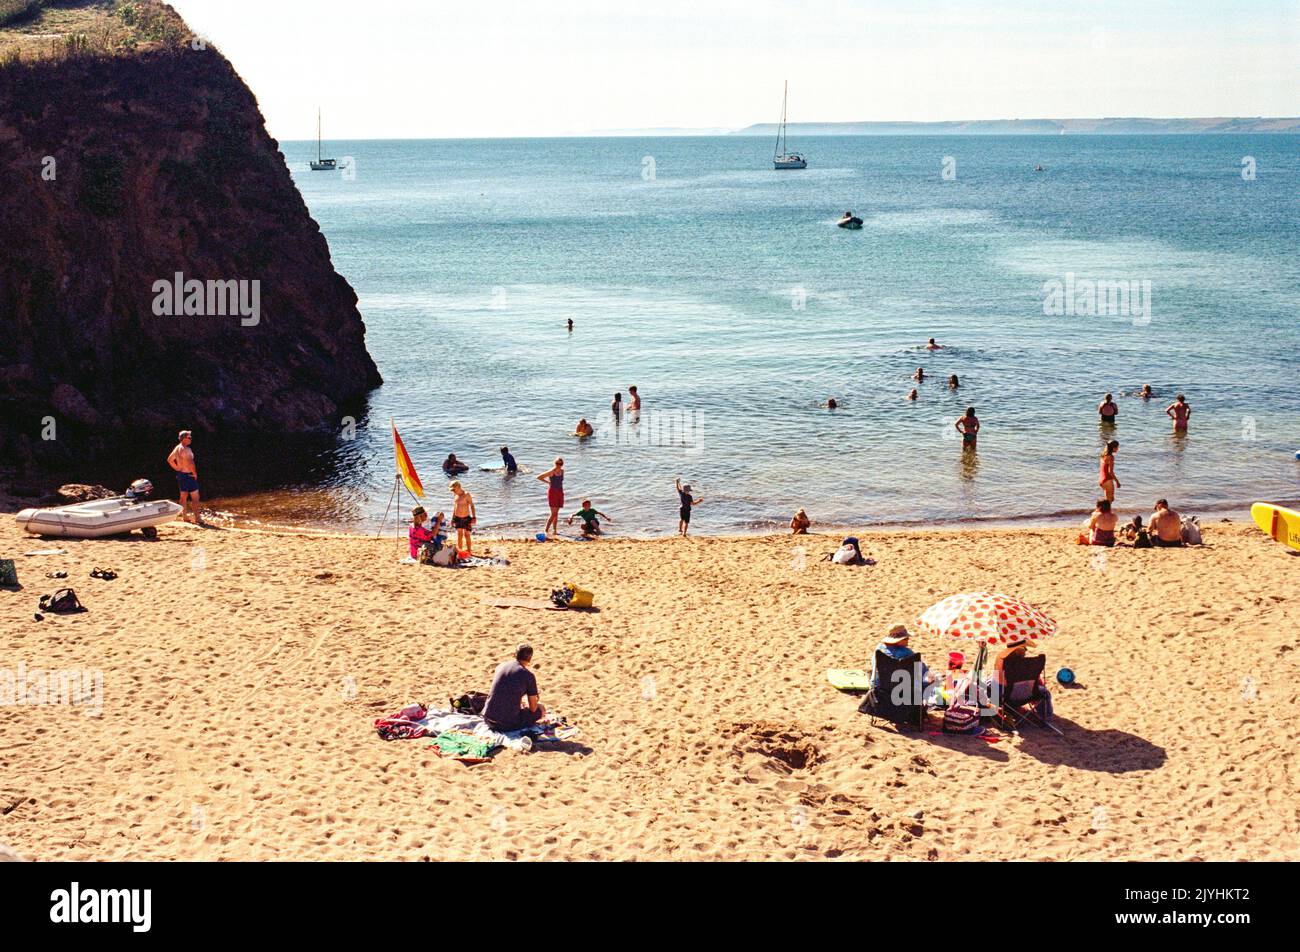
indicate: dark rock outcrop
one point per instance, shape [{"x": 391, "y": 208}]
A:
[{"x": 120, "y": 171}]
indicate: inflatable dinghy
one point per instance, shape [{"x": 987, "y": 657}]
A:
[{"x": 102, "y": 517}]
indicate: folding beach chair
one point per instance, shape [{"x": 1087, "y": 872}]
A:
[
  {"x": 901, "y": 697},
  {"x": 1023, "y": 675}
]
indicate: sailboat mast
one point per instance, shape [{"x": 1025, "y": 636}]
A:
[{"x": 318, "y": 134}]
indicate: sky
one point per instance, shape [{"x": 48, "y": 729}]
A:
[{"x": 485, "y": 68}]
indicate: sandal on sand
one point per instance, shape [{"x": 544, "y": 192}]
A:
[
  {"x": 106, "y": 574},
  {"x": 56, "y": 574}
]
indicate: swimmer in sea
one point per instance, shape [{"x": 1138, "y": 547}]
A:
[
  {"x": 453, "y": 465},
  {"x": 1179, "y": 412},
  {"x": 953, "y": 384},
  {"x": 969, "y": 428},
  {"x": 831, "y": 404},
  {"x": 919, "y": 376},
  {"x": 1107, "y": 409},
  {"x": 583, "y": 428},
  {"x": 913, "y": 395},
  {"x": 1146, "y": 393},
  {"x": 931, "y": 345}
]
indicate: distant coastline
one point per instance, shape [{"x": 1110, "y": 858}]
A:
[{"x": 1039, "y": 127}]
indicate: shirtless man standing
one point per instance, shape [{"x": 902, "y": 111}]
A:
[
  {"x": 187, "y": 476},
  {"x": 1179, "y": 411}
]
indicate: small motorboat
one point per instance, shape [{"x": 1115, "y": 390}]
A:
[
  {"x": 103, "y": 517},
  {"x": 850, "y": 220}
]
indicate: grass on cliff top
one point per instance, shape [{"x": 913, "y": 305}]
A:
[{"x": 35, "y": 30}]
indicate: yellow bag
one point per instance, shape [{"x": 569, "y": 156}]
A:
[{"x": 581, "y": 597}]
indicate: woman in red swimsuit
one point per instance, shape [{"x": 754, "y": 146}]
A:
[{"x": 1106, "y": 479}]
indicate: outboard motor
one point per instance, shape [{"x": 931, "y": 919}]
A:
[{"x": 140, "y": 490}]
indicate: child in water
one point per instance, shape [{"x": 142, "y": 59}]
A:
[
  {"x": 590, "y": 519},
  {"x": 800, "y": 523},
  {"x": 687, "y": 501}
]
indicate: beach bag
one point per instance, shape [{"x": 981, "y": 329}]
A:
[
  {"x": 961, "y": 719},
  {"x": 61, "y": 602},
  {"x": 579, "y": 597},
  {"x": 849, "y": 553},
  {"x": 8, "y": 572},
  {"x": 1191, "y": 531},
  {"x": 471, "y": 703},
  {"x": 1143, "y": 540}
]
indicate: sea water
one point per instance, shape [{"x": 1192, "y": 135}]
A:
[{"x": 725, "y": 292}]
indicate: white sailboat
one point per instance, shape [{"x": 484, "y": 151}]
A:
[
  {"x": 782, "y": 157},
  {"x": 322, "y": 164}
]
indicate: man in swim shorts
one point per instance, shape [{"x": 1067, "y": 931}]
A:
[{"x": 187, "y": 476}]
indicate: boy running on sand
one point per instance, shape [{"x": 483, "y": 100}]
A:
[
  {"x": 463, "y": 517},
  {"x": 687, "y": 500}
]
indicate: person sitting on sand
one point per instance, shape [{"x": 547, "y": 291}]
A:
[
  {"x": 1106, "y": 477},
  {"x": 895, "y": 646},
  {"x": 931, "y": 345},
  {"x": 800, "y": 523},
  {"x": 969, "y": 427},
  {"x": 511, "y": 466},
  {"x": 583, "y": 429},
  {"x": 1020, "y": 694},
  {"x": 453, "y": 465},
  {"x": 684, "y": 512},
  {"x": 1107, "y": 409},
  {"x": 1166, "y": 526},
  {"x": 513, "y": 701},
  {"x": 1101, "y": 526},
  {"x": 952, "y": 680},
  {"x": 418, "y": 534},
  {"x": 463, "y": 517},
  {"x": 953, "y": 383},
  {"x": 913, "y": 395},
  {"x": 919, "y": 376},
  {"x": 590, "y": 519},
  {"x": 1180, "y": 413},
  {"x": 1136, "y": 534}
]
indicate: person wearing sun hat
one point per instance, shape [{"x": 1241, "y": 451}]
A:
[{"x": 894, "y": 644}]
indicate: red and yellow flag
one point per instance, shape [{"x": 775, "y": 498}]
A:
[{"x": 405, "y": 468}]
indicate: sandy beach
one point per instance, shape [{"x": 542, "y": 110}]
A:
[{"x": 242, "y": 672}]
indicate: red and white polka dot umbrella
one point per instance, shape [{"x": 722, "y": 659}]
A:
[{"x": 986, "y": 616}]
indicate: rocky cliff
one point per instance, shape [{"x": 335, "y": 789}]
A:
[{"x": 158, "y": 267}]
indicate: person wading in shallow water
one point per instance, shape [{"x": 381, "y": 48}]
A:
[
  {"x": 1106, "y": 478},
  {"x": 187, "y": 476}
]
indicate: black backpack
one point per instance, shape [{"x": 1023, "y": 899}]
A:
[
  {"x": 61, "y": 602},
  {"x": 471, "y": 703}
]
